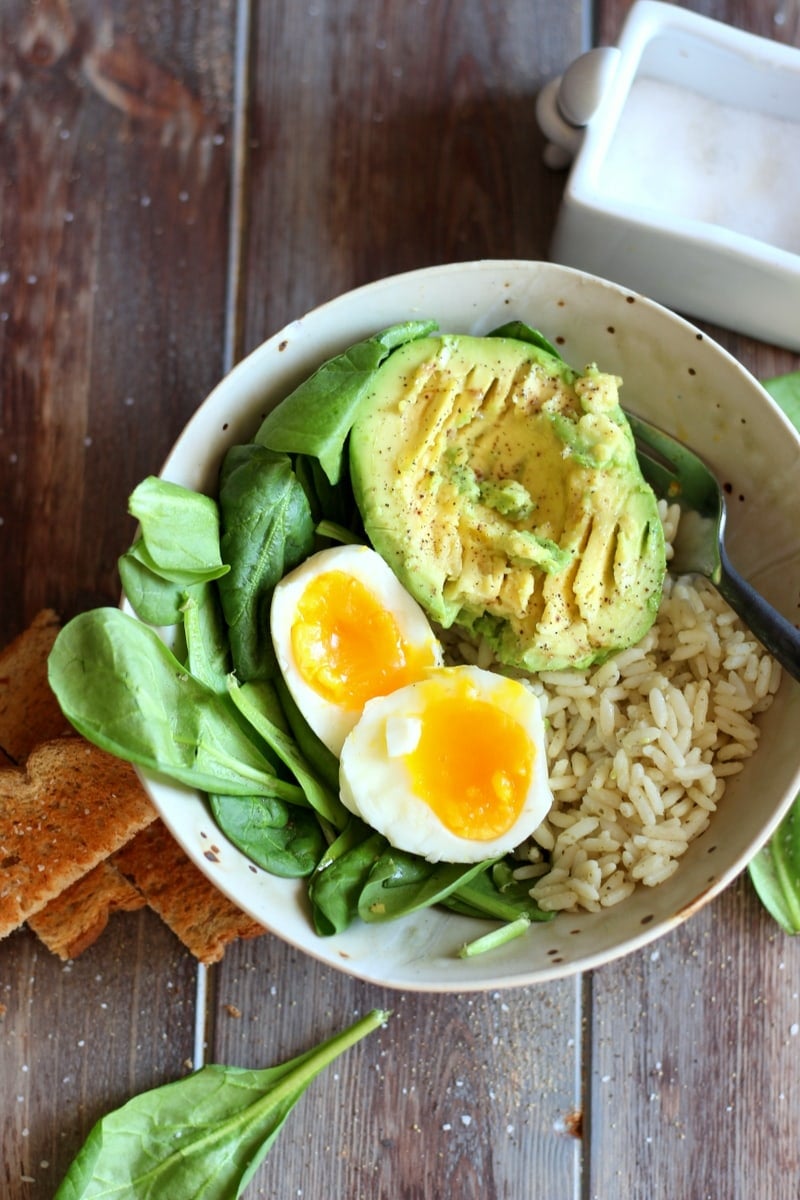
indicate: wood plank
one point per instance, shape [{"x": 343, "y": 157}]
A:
[
  {"x": 470, "y": 1095},
  {"x": 694, "y": 1083},
  {"x": 392, "y": 137},
  {"x": 113, "y": 255},
  {"x": 412, "y": 142},
  {"x": 77, "y": 1039},
  {"x": 114, "y": 172},
  {"x": 692, "y": 1048}
]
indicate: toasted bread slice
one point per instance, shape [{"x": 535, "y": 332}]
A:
[
  {"x": 196, "y": 911},
  {"x": 71, "y": 807},
  {"x": 72, "y": 921},
  {"x": 29, "y": 712}
]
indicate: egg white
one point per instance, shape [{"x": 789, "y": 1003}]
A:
[
  {"x": 330, "y": 722},
  {"x": 376, "y": 784}
]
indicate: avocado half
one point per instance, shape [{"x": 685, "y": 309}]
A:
[{"x": 503, "y": 488}]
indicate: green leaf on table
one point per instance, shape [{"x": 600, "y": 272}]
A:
[
  {"x": 317, "y": 416},
  {"x": 202, "y": 1136},
  {"x": 785, "y": 391},
  {"x": 775, "y": 870}
]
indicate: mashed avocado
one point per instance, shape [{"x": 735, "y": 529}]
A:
[{"x": 503, "y": 488}]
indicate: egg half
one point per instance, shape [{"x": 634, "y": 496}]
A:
[
  {"x": 452, "y": 767},
  {"x": 345, "y": 630}
]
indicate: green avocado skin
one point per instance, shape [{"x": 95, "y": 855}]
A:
[{"x": 502, "y": 487}]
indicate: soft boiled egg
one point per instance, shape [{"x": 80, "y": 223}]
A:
[
  {"x": 345, "y": 630},
  {"x": 452, "y": 767}
]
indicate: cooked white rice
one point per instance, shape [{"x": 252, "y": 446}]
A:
[{"x": 640, "y": 748}]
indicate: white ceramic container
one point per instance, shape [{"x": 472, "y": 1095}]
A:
[{"x": 684, "y": 184}]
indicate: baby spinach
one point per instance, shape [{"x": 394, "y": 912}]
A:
[
  {"x": 178, "y": 549},
  {"x": 775, "y": 869},
  {"x": 520, "y": 331},
  {"x": 497, "y": 895},
  {"x": 322, "y": 761},
  {"x": 281, "y": 838},
  {"x": 775, "y": 872},
  {"x": 317, "y": 416},
  {"x": 180, "y": 531},
  {"x": 205, "y": 1135},
  {"x": 399, "y": 883},
  {"x": 253, "y": 702},
  {"x": 124, "y": 690},
  {"x": 267, "y": 529},
  {"x": 155, "y": 599},
  {"x": 208, "y": 655},
  {"x": 335, "y": 887},
  {"x": 214, "y": 712}
]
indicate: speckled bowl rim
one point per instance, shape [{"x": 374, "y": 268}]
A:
[{"x": 673, "y": 374}]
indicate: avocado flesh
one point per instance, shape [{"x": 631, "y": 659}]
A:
[{"x": 503, "y": 489}]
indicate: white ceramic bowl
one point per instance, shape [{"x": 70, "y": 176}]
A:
[{"x": 672, "y": 374}]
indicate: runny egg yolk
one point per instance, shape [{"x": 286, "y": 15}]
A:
[
  {"x": 348, "y": 647},
  {"x": 472, "y": 765}
]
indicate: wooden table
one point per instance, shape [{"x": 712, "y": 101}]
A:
[{"x": 178, "y": 180}]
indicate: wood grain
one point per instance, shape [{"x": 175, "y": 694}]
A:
[
  {"x": 113, "y": 253},
  {"x": 80, "y": 1038},
  {"x": 413, "y": 143},
  {"x": 114, "y": 177},
  {"x": 470, "y": 1096},
  {"x": 394, "y": 136},
  {"x": 177, "y": 181},
  {"x": 692, "y": 1044}
]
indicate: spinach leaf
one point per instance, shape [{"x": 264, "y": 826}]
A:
[
  {"x": 336, "y": 885},
  {"x": 178, "y": 548},
  {"x": 775, "y": 872},
  {"x": 155, "y": 599},
  {"x": 785, "y": 391},
  {"x": 400, "y": 883},
  {"x": 322, "y": 761},
  {"x": 522, "y": 332},
  {"x": 317, "y": 416},
  {"x": 496, "y": 894},
  {"x": 205, "y": 1135},
  {"x": 775, "y": 869},
  {"x": 207, "y": 651},
  {"x": 124, "y": 690},
  {"x": 281, "y": 838},
  {"x": 180, "y": 531},
  {"x": 267, "y": 529},
  {"x": 329, "y": 502},
  {"x": 254, "y": 700}
]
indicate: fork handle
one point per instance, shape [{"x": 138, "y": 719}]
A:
[{"x": 779, "y": 636}]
